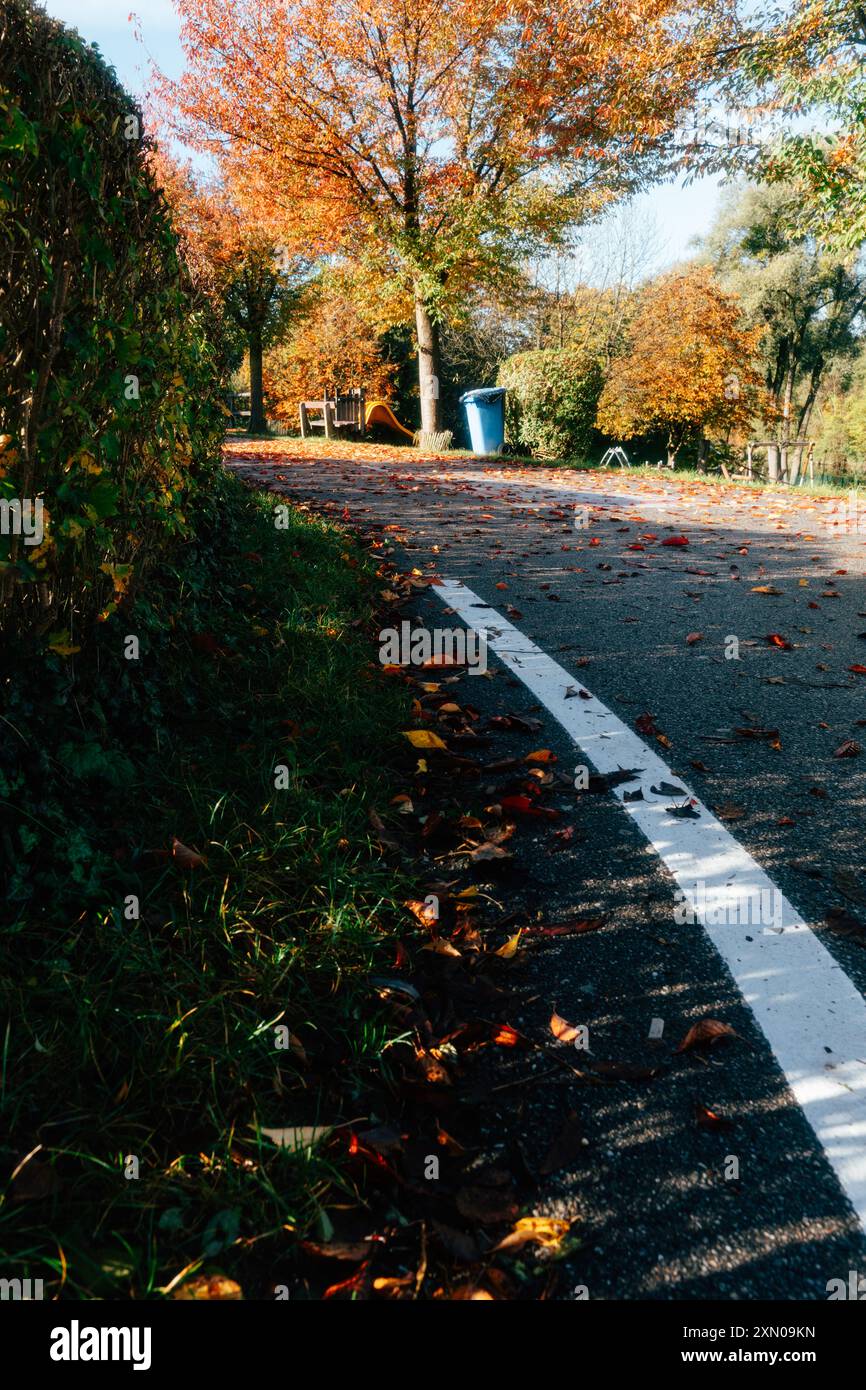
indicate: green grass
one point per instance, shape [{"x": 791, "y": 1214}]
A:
[{"x": 155, "y": 1037}]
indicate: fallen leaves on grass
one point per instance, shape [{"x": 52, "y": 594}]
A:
[
  {"x": 185, "y": 857},
  {"x": 209, "y": 1288}
]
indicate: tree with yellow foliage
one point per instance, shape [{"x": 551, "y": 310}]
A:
[
  {"x": 688, "y": 369},
  {"x": 443, "y": 139}
]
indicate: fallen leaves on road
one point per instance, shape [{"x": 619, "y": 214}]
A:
[
  {"x": 705, "y": 1033},
  {"x": 562, "y": 1030},
  {"x": 848, "y": 748},
  {"x": 709, "y": 1119},
  {"x": 424, "y": 738}
]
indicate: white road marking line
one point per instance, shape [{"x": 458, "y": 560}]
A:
[{"x": 812, "y": 1016}]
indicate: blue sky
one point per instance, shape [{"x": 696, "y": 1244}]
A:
[{"x": 677, "y": 214}]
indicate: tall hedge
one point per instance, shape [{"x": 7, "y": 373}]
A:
[
  {"x": 551, "y": 402},
  {"x": 110, "y": 406}
]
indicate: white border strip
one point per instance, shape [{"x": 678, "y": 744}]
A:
[{"x": 810, "y": 1012}]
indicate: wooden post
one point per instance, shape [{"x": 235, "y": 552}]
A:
[
  {"x": 773, "y": 462},
  {"x": 749, "y": 458},
  {"x": 330, "y": 430},
  {"x": 305, "y": 419}
]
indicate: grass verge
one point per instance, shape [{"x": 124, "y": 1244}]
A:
[{"x": 186, "y": 946}]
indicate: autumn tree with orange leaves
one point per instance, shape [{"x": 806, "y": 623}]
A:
[
  {"x": 254, "y": 284},
  {"x": 688, "y": 368},
  {"x": 439, "y": 142}
]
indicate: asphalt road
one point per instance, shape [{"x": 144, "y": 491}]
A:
[{"x": 771, "y": 590}]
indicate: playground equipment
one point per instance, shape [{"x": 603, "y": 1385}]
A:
[
  {"x": 344, "y": 410},
  {"x": 380, "y": 413},
  {"x": 347, "y": 410}
]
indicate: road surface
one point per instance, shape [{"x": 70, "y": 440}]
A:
[{"x": 721, "y": 664}]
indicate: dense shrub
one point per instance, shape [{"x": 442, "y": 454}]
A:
[
  {"x": 109, "y": 375},
  {"x": 551, "y": 401}
]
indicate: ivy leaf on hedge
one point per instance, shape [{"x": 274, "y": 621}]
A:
[{"x": 102, "y": 498}]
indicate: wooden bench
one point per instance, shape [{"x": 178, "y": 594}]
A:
[{"x": 342, "y": 411}]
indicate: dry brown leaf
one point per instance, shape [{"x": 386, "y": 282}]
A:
[
  {"x": 185, "y": 857},
  {"x": 706, "y": 1032},
  {"x": 561, "y": 1029},
  {"x": 439, "y": 947},
  {"x": 209, "y": 1287}
]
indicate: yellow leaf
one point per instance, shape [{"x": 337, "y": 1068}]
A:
[
  {"x": 509, "y": 950},
  {"x": 536, "y": 1230},
  {"x": 423, "y": 738}
]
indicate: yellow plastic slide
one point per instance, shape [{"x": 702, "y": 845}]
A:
[{"x": 380, "y": 413}]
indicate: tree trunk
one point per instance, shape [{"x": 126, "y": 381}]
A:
[
  {"x": 427, "y": 335},
  {"x": 257, "y": 423},
  {"x": 702, "y": 452},
  {"x": 786, "y": 420}
]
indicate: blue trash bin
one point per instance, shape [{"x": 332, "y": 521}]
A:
[{"x": 485, "y": 415}]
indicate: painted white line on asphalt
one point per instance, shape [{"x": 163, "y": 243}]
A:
[{"x": 810, "y": 1012}]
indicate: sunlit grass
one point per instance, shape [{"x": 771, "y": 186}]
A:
[{"x": 155, "y": 1038}]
